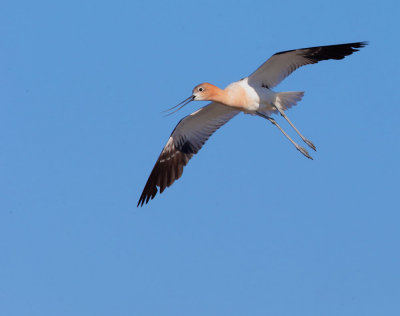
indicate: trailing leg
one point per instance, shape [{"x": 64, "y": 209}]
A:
[
  {"x": 284, "y": 101},
  {"x": 298, "y": 147}
]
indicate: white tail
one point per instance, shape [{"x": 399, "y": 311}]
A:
[{"x": 285, "y": 100}]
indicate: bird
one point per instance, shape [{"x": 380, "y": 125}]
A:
[{"x": 251, "y": 95}]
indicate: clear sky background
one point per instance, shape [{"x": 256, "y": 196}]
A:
[{"x": 252, "y": 227}]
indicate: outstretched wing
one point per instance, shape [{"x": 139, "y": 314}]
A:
[
  {"x": 282, "y": 64},
  {"x": 186, "y": 140}
]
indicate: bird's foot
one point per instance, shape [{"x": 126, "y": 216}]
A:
[
  {"x": 303, "y": 151},
  {"x": 310, "y": 144}
]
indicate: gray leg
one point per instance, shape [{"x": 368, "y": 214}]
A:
[
  {"x": 308, "y": 142},
  {"x": 298, "y": 147}
]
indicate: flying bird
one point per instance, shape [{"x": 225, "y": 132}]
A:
[{"x": 250, "y": 95}]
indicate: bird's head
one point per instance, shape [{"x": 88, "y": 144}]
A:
[{"x": 202, "y": 92}]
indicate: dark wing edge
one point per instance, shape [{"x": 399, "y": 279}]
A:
[
  {"x": 187, "y": 139},
  {"x": 337, "y": 51},
  {"x": 168, "y": 168},
  {"x": 282, "y": 64}
]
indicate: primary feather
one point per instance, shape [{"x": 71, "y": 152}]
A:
[
  {"x": 282, "y": 64},
  {"x": 186, "y": 140}
]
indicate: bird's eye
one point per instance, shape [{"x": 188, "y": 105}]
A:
[{"x": 201, "y": 89}]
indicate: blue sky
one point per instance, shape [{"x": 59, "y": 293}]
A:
[{"x": 252, "y": 227}]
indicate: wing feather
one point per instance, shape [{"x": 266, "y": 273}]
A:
[
  {"x": 282, "y": 64},
  {"x": 186, "y": 140}
]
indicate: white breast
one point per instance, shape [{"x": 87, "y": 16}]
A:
[{"x": 258, "y": 98}]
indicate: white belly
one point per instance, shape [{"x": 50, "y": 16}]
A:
[{"x": 258, "y": 99}]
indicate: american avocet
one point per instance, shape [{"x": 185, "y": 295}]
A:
[{"x": 250, "y": 95}]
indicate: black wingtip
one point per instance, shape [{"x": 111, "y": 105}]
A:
[
  {"x": 146, "y": 196},
  {"x": 358, "y": 44},
  {"x": 352, "y": 46}
]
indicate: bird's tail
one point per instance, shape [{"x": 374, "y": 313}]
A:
[{"x": 285, "y": 100}]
